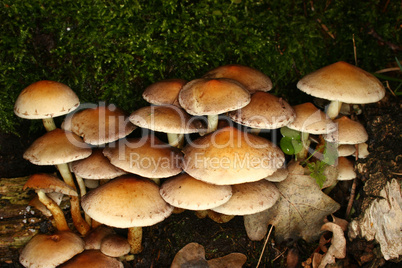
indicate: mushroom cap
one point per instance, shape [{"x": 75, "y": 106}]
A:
[
  {"x": 346, "y": 149},
  {"x": 49, "y": 184},
  {"x": 99, "y": 125},
  {"x": 249, "y": 198},
  {"x": 231, "y": 156},
  {"x": 184, "y": 191},
  {"x": 45, "y": 99},
  {"x": 265, "y": 111},
  {"x": 125, "y": 202},
  {"x": 115, "y": 245},
  {"x": 279, "y": 175},
  {"x": 164, "y": 92},
  {"x": 57, "y": 147},
  {"x": 206, "y": 96},
  {"x": 96, "y": 167},
  {"x": 253, "y": 79},
  {"x": 349, "y": 132},
  {"x": 310, "y": 119},
  {"x": 94, "y": 237},
  {"x": 345, "y": 169},
  {"x": 147, "y": 156},
  {"x": 51, "y": 250},
  {"x": 91, "y": 259},
  {"x": 164, "y": 118},
  {"x": 343, "y": 82}
]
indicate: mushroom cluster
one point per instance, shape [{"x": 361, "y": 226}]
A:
[{"x": 206, "y": 145}]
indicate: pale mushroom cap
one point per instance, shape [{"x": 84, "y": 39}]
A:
[
  {"x": 213, "y": 96},
  {"x": 96, "y": 167},
  {"x": 115, "y": 246},
  {"x": 345, "y": 169},
  {"x": 94, "y": 237},
  {"x": 183, "y": 191},
  {"x": 310, "y": 119},
  {"x": 346, "y": 149},
  {"x": 349, "y": 132},
  {"x": 249, "y": 198},
  {"x": 265, "y": 111},
  {"x": 279, "y": 175},
  {"x": 99, "y": 125},
  {"x": 126, "y": 202},
  {"x": 57, "y": 147},
  {"x": 164, "y": 118},
  {"x": 92, "y": 259},
  {"x": 231, "y": 156},
  {"x": 147, "y": 156},
  {"x": 51, "y": 250},
  {"x": 253, "y": 79},
  {"x": 164, "y": 92},
  {"x": 45, "y": 99},
  {"x": 49, "y": 184},
  {"x": 343, "y": 82}
]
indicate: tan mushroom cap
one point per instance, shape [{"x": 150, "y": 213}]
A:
[
  {"x": 92, "y": 259},
  {"x": 249, "y": 198},
  {"x": 253, "y": 79},
  {"x": 279, "y": 175},
  {"x": 51, "y": 250},
  {"x": 346, "y": 149},
  {"x": 343, "y": 82},
  {"x": 45, "y": 99},
  {"x": 94, "y": 237},
  {"x": 57, "y": 147},
  {"x": 265, "y": 111},
  {"x": 99, "y": 125},
  {"x": 125, "y": 202},
  {"x": 349, "y": 132},
  {"x": 115, "y": 245},
  {"x": 49, "y": 184},
  {"x": 310, "y": 119},
  {"x": 164, "y": 118},
  {"x": 96, "y": 167},
  {"x": 205, "y": 96},
  {"x": 231, "y": 156},
  {"x": 164, "y": 92},
  {"x": 183, "y": 191},
  {"x": 345, "y": 169},
  {"x": 147, "y": 156}
]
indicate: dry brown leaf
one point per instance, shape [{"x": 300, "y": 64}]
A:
[{"x": 298, "y": 213}]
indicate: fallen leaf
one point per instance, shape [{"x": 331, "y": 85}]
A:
[
  {"x": 299, "y": 211},
  {"x": 337, "y": 250}
]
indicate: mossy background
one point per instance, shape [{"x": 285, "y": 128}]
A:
[{"x": 112, "y": 50}]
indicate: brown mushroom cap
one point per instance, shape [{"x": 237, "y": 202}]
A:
[
  {"x": 265, "y": 111},
  {"x": 96, "y": 167},
  {"x": 94, "y": 237},
  {"x": 49, "y": 184},
  {"x": 164, "y": 118},
  {"x": 115, "y": 245},
  {"x": 51, "y": 250},
  {"x": 125, "y": 202},
  {"x": 251, "y": 78},
  {"x": 164, "y": 92},
  {"x": 349, "y": 132},
  {"x": 99, "y": 125},
  {"x": 310, "y": 119},
  {"x": 57, "y": 147},
  {"x": 249, "y": 198},
  {"x": 345, "y": 169},
  {"x": 147, "y": 156},
  {"x": 213, "y": 96},
  {"x": 183, "y": 191},
  {"x": 45, "y": 99},
  {"x": 92, "y": 259},
  {"x": 231, "y": 156},
  {"x": 343, "y": 82}
]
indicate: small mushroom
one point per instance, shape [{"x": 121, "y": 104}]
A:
[
  {"x": 115, "y": 245},
  {"x": 92, "y": 259},
  {"x": 164, "y": 92}
]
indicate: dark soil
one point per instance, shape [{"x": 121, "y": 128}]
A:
[{"x": 162, "y": 241}]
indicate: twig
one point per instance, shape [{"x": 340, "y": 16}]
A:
[
  {"x": 354, "y": 49},
  {"x": 351, "y": 198},
  {"x": 263, "y": 248}
]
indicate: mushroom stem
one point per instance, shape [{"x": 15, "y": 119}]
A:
[
  {"x": 306, "y": 145},
  {"x": 212, "y": 123},
  {"x": 49, "y": 124},
  {"x": 83, "y": 191},
  {"x": 134, "y": 238},
  {"x": 175, "y": 140},
  {"x": 255, "y": 131},
  {"x": 58, "y": 215},
  {"x": 82, "y": 226},
  {"x": 333, "y": 109}
]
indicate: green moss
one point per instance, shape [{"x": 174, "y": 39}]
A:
[{"x": 110, "y": 51}]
